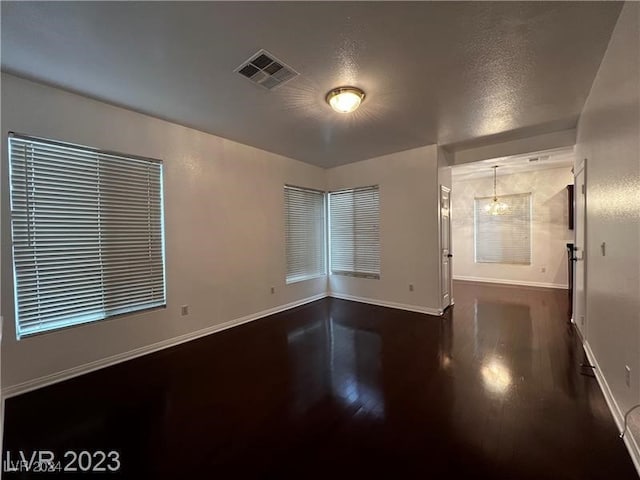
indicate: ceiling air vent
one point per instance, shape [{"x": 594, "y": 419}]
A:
[{"x": 266, "y": 70}]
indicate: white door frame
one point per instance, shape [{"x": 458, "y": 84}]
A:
[
  {"x": 444, "y": 303},
  {"x": 579, "y": 315}
]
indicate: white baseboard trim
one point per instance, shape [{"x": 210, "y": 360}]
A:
[
  {"x": 616, "y": 412},
  {"x": 503, "y": 281},
  {"x": 384, "y": 303},
  {"x": 45, "y": 380}
]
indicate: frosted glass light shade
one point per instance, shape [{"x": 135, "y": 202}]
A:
[{"x": 345, "y": 99}]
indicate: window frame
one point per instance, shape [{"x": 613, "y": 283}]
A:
[
  {"x": 79, "y": 319},
  {"x": 354, "y": 273},
  {"x": 291, "y": 279},
  {"x": 529, "y": 207}
]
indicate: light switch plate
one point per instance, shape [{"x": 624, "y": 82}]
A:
[{"x": 627, "y": 375}]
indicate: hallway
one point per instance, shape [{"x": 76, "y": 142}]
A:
[{"x": 336, "y": 389}]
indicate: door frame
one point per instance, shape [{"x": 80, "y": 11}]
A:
[
  {"x": 580, "y": 223},
  {"x": 444, "y": 188}
]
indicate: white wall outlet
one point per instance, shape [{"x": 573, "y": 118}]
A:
[
  {"x": 627, "y": 375},
  {"x": 273, "y": 290},
  {"x": 411, "y": 287},
  {"x": 543, "y": 269},
  {"x": 184, "y": 310}
]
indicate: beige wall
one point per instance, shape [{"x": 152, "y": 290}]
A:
[
  {"x": 549, "y": 230},
  {"x": 408, "y": 228},
  {"x": 609, "y": 138},
  {"x": 224, "y": 228}
]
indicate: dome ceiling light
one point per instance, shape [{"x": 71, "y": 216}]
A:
[{"x": 345, "y": 99}]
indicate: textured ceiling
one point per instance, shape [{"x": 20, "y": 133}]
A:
[{"x": 434, "y": 72}]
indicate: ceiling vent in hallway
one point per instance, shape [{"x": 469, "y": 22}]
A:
[{"x": 266, "y": 70}]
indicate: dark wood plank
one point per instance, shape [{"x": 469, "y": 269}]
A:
[{"x": 336, "y": 388}]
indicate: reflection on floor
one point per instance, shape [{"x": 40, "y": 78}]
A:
[{"x": 341, "y": 389}]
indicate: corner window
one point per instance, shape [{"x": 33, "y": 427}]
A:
[
  {"x": 354, "y": 217},
  {"x": 304, "y": 233}
]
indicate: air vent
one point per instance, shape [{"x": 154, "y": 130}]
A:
[{"x": 266, "y": 70}]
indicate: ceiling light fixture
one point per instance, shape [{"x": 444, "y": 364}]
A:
[
  {"x": 345, "y": 99},
  {"x": 496, "y": 207}
]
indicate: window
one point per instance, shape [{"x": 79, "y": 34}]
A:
[
  {"x": 504, "y": 238},
  {"x": 305, "y": 233},
  {"x": 87, "y": 234},
  {"x": 354, "y": 217}
]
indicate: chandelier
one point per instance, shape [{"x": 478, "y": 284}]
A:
[{"x": 496, "y": 207}]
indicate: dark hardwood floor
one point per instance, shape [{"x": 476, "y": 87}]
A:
[{"x": 338, "y": 389}]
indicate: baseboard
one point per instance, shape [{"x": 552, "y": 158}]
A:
[
  {"x": 45, "y": 380},
  {"x": 503, "y": 281},
  {"x": 383, "y": 303},
  {"x": 616, "y": 412}
]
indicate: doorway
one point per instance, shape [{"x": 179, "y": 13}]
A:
[{"x": 510, "y": 222}]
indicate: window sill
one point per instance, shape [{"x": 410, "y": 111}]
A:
[
  {"x": 371, "y": 276},
  {"x": 289, "y": 281}
]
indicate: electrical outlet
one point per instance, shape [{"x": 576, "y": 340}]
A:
[
  {"x": 184, "y": 310},
  {"x": 581, "y": 319},
  {"x": 543, "y": 269},
  {"x": 273, "y": 290},
  {"x": 411, "y": 287},
  {"x": 627, "y": 375}
]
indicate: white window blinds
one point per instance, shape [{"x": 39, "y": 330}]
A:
[
  {"x": 506, "y": 237},
  {"x": 304, "y": 233},
  {"x": 354, "y": 217},
  {"x": 87, "y": 233}
]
